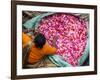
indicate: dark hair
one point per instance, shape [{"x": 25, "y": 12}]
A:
[{"x": 39, "y": 40}]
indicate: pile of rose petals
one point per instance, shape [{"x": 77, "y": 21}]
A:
[{"x": 71, "y": 32}]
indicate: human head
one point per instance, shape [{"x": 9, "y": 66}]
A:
[{"x": 39, "y": 40}]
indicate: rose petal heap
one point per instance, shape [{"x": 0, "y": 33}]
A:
[{"x": 72, "y": 35}]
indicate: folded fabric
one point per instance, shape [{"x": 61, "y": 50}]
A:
[
  {"x": 33, "y": 23},
  {"x": 56, "y": 59},
  {"x": 86, "y": 52}
]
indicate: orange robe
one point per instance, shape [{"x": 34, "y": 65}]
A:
[{"x": 37, "y": 54}]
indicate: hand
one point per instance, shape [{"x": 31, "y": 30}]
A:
[
  {"x": 54, "y": 41},
  {"x": 36, "y": 32}
]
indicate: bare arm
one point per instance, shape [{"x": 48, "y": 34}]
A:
[{"x": 54, "y": 41}]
